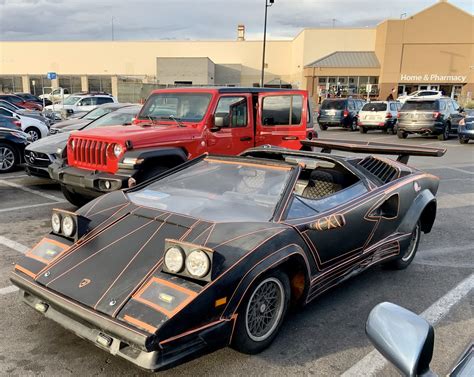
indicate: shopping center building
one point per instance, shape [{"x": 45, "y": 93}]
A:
[{"x": 432, "y": 49}]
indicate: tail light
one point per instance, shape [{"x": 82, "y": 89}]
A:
[
  {"x": 17, "y": 123},
  {"x": 346, "y": 113},
  {"x": 388, "y": 116},
  {"x": 398, "y": 114},
  {"x": 436, "y": 114}
]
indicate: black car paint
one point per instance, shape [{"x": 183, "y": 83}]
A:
[
  {"x": 350, "y": 106},
  {"x": 243, "y": 252},
  {"x": 8, "y": 136}
]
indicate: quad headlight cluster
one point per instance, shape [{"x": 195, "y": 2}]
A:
[
  {"x": 188, "y": 260},
  {"x": 68, "y": 224}
]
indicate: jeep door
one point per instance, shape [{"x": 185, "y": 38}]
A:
[
  {"x": 281, "y": 119},
  {"x": 233, "y": 130}
]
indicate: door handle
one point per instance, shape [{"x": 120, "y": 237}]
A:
[
  {"x": 289, "y": 138},
  {"x": 245, "y": 138}
]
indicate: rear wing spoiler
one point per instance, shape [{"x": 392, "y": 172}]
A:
[{"x": 403, "y": 151}]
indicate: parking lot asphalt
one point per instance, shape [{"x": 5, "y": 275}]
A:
[{"x": 326, "y": 338}]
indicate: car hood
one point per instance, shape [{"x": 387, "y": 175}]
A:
[
  {"x": 50, "y": 144},
  {"x": 142, "y": 136},
  {"x": 72, "y": 122}
]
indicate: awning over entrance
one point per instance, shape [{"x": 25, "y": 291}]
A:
[{"x": 347, "y": 59}]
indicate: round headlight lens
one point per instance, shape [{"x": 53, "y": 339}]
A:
[
  {"x": 56, "y": 222},
  {"x": 118, "y": 150},
  {"x": 174, "y": 259},
  {"x": 198, "y": 263},
  {"x": 68, "y": 226}
]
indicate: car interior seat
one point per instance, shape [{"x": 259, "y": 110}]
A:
[{"x": 321, "y": 183}]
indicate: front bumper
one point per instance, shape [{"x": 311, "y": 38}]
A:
[
  {"x": 36, "y": 171},
  {"x": 90, "y": 181},
  {"x": 138, "y": 347}
]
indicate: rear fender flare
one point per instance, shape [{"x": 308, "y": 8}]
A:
[{"x": 417, "y": 211}]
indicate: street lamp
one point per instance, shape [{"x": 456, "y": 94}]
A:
[{"x": 268, "y": 3}]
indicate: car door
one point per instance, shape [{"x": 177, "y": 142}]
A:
[
  {"x": 86, "y": 104},
  {"x": 233, "y": 130},
  {"x": 281, "y": 119}
]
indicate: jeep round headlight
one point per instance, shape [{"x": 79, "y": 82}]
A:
[
  {"x": 68, "y": 226},
  {"x": 56, "y": 222},
  {"x": 118, "y": 150},
  {"x": 198, "y": 264},
  {"x": 174, "y": 259}
]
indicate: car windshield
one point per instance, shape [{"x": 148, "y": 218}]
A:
[
  {"x": 333, "y": 105},
  {"x": 120, "y": 117},
  {"x": 71, "y": 100},
  {"x": 218, "y": 190},
  {"x": 97, "y": 113},
  {"x": 186, "y": 107},
  {"x": 414, "y": 93},
  {"x": 376, "y": 106},
  {"x": 420, "y": 106}
]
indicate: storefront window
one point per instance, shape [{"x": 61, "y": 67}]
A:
[
  {"x": 322, "y": 80},
  {"x": 100, "y": 84},
  {"x": 37, "y": 83},
  {"x": 71, "y": 83},
  {"x": 10, "y": 84}
]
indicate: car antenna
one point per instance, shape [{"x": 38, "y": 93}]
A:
[{"x": 172, "y": 117}]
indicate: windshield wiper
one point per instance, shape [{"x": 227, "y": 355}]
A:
[
  {"x": 306, "y": 204},
  {"x": 177, "y": 120}
]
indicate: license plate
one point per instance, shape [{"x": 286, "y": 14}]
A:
[
  {"x": 372, "y": 117},
  {"x": 331, "y": 112}
]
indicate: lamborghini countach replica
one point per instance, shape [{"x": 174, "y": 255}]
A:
[{"x": 213, "y": 252}]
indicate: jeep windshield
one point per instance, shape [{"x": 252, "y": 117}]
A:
[
  {"x": 218, "y": 190},
  {"x": 186, "y": 107}
]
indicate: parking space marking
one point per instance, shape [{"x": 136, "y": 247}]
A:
[
  {"x": 14, "y": 245},
  {"x": 31, "y": 191},
  {"x": 31, "y": 206},
  {"x": 9, "y": 289},
  {"x": 374, "y": 362},
  {"x": 459, "y": 170},
  {"x": 15, "y": 176}
]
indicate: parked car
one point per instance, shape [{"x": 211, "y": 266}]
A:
[
  {"x": 78, "y": 123},
  {"x": 213, "y": 252},
  {"x": 379, "y": 115},
  {"x": 21, "y": 111},
  {"x": 79, "y": 102},
  {"x": 175, "y": 125},
  {"x": 32, "y": 98},
  {"x": 56, "y": 95},
  {"x": 35, "y": 128},
  {"x": 339, "y": 112},
  {"x": 420, "y": 94},
  {"x": 20, "y": 102},
  {"x": 466, "y": 127},
  {"x": 407, "y": 341},
  {"x": 12, "y": 145},
  {"x": 439, "y": 117},
  {"x": 10, "y": 122},
  {"x": 40, "y": 154}
]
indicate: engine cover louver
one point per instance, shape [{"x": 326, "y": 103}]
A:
[{"x": 382, "y": 170}]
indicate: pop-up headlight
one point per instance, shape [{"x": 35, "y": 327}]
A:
[{"x": 69, "y": 224}]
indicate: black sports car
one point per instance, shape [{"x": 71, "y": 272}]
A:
[
  {"x": 12, "y": 146},
  {"x": 213, "y": 252}
]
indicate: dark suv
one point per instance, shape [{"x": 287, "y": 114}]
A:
[
  {"x": 438, "y": 117},
  {"x": 341, "y": 112}
]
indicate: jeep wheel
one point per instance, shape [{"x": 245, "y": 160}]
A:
[
  {"x": 401, "y": 134},
  {"x": 463, "y": 141},
  {"x": 74, "y": 198},
  {"x": 150, "y": 172},
  {"x": 409, "y": 253},
  {"x": 261, "y": 313},
  {"x": 446, "y": 132}
]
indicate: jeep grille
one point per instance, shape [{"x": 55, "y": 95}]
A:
[{"x": 90, "y": 154}]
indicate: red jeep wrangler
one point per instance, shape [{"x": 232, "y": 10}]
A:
[{"x": 175, "y": 125}]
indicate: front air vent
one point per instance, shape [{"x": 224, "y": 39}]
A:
[{"x": 383, "y": 171}]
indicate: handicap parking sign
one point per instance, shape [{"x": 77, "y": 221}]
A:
[{"x": 51, "y": 75}]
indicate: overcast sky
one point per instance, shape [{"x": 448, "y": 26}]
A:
[{"x": 191, "y": 19}]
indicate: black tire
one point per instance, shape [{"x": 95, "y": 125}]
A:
[
  {"x": 323, "y": 127},
  {"x": 445, "y": 134},
  {"x": 248, "y": 337},
  {"x": 401, "y": 134},
  {"x": 407, "y": 255},
  {"x": 463, "y": 141},
  {"x": 34, "y": 133},
  {"x": 384, "y": 130},
  {"x": 74, "y": 198},
  {"x": 393, "y": 131},
  {"x": 353, "y": 125},
  {"x": 362, "y": 130},
  {"x": 9, "y": 158},
  {"x": 150, "y": 172}
]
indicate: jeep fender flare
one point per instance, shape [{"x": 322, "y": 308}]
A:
[
  {"x": 171, "y": 156},
  {"x": 423, "y": 209}
]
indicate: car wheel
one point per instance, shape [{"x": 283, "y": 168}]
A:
[
  {"x": 409, "y": 253},
  {"x": 362, "y": 130},
  {"x": 445, "y": 134},
  {"x": 463, "y": 141},
  {"x": 323, "y": 127},
  {"x": 74, "y": 198},
  {"x": 9, "y": 158},
  {"x": 150, "y": 172},
  {"x": 33, "y": 133},
  {"x": 262, "y": 313},
  {"x": 353, "y": 126},
  {"x": 384, "y": 130},
  {"x": 393, "y": 131},
  {"x": 401, "y": 134}
]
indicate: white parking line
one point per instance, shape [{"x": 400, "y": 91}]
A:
[
  {"x": 31, "y": 206},
  {"x": 31, "y": 191},
  {"x": 14, "y": 245},
  {"x": 460, "y": 170},
  {"x": 7, "y": 290},
  {"x": 374, "y": 362},
  {"x": 15, "y": 176}
]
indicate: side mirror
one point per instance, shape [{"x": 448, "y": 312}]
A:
[
  {"x": 402, "y": 337},
  {"x": 218, "y": 124},
  {"x": 329, "y": 222}
]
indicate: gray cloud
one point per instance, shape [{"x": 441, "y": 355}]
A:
[{"x": 189, "y": 19}]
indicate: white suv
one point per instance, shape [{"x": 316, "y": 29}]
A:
[
  {"x": 421, "y": 94},
  {"x": 79, "y": 102}
]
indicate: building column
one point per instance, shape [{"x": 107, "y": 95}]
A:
[
  {"x": 55, "y": 83},
  {"x": 114, "y": 80},
  {"x": 84, "y": 83},
  {"x": 25, "y": 83}
]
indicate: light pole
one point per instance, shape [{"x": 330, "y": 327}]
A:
[{"x": 268, "y": 3}]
